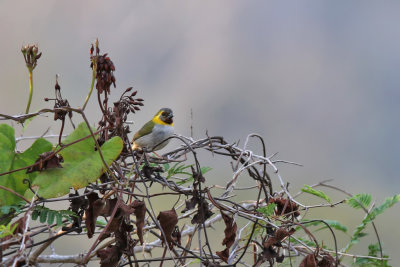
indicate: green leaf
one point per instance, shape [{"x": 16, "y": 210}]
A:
[
  {"x": 9, "y": 208},
  {"x": 335, "y": 225},
  {"x": 304, "y": 240},
  {"x": 180, "y": 170},
  {"x": 177, "y": 168},
  {"x": 82, "y": 165},
  {"x": 6, "y": 230},
  {"x": 68, "y": 214},
  {"x": 268, "y": 210},
  {"x": 50, "y": 217},
  {"x": 59, "y": 219},
  {"x": 312, "y": 191},
  {"x": 373, "y": 250},
  {"x": 166, "y": 167},
  {"x": 46, "y": 214},
  {"x": 35, "y": 214},
  {"x": 43, "y": 215},
  {"x": 358, "y": 232},
  {"x": 101, "y": 222},
  {"x": 10, "y": 160},
  {"x": 360, "y": 201},
  {"x": 205, "y": 169},
  {"x": 389, "y": 202},
  {"x": 332, "y": 223}
]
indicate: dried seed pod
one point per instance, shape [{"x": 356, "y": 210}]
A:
[{"x": 38, "y": 56}]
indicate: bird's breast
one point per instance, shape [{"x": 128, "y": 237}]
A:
[{"x": 158, "y": 134}]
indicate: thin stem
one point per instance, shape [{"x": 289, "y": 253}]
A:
[
  {"x": 92, "y": 84},
  {"x": 15, "y": 193},
  {"x": 30, "y": 70}
]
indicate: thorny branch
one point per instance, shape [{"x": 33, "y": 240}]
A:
[{"x": 126, "y": 196}]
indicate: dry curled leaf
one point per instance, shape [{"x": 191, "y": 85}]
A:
[
  {"x": 224, "y": 254},
  {"x": 268, "y": 254},
  {"x": 203, "y": 212},
  {"x": 190, "y": 204},
  {"x": 309, "y": 261},
  {"x": 230, "y": 235},
  {"x": 279, "y": 235},
  {"x": 109, "y": 257},
  {"x": 140, "y": 212},
  {"x": 168, "y": 219},
  {"x": 230, "y": 230},
  {"x": 95, "y": 208},
  {"x": 285, "y": 207},
  {"x": 327, "y": 261},
  {"x": 46, "y": 160},
  {"x": 176, "y": 235}
]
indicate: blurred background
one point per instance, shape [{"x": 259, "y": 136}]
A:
[{"x": 318, "y": 79}]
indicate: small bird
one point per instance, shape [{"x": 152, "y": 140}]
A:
[{"x": 155, "y": 131}]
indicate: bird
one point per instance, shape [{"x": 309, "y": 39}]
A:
[{"x": 155, "y": 131}]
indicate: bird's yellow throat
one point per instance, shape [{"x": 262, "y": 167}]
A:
[{"x": 157, "y": 120}]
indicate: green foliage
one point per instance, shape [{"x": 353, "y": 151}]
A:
[
  {"x": 181, "y": 169},
  {"x": 101, "y": 222},
  {"x": 332, "y": 223},
  {"x": 48, "y": 215},
  {"x": 358, "y": 232},
  {"x": 12, "y": 208},
  {"x": 82, "y": 165},
  {"x": 176, "y": 169},
  {"x": 306, "y": 241},
  {"x": 6, "y": 230},
  {"x": 360, "y": 201},
  {"x": 10, "y": 160},
  {"x": 203, "y": 171},
  {"x": 259, "y": 230},
  {"x": 373, "y": 250},
  {"x": 308, "y": 189},
  {"x": 268, "y": 210}
]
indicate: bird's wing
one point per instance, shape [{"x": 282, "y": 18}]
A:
[{"x": 145, "y": 130}]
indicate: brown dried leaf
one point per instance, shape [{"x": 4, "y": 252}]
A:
[
  {"x": 280, "y": 234},
  {"x": 190, "y": 204},
  {"x": 140, "y": 212},
  {"x": 203, "y": 213},
  {"x": 77, "y": 202},
  {"x": 96, "y": 207},
  {"x": 224, "y": 254},
  {"x": 109, "y": 207},
  {"x": 285, "y": 206},
  {"x": 168, "y": 219},
  {"x": 230, "y": 231},
  {"x": 327, "y": 261},
  {"x": 309, "y": 261},
  {"x": 176, "y": 235},
  {"x": 109, "y": 256},
  {"x": 268, "y": 254},
  {"x": 53, "y": 161}
]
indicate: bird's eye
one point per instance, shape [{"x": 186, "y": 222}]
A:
[{"x": 164, "y": 114}]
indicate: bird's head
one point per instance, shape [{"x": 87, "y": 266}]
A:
[{"x": 164, "y": 116}]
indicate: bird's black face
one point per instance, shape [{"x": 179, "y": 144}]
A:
[{"x": 166, "y": 115}]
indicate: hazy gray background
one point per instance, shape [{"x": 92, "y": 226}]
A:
[{"x": 318, "y": 79}]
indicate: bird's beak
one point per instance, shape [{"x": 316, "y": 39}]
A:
[{"x": 170, "y": 116}]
